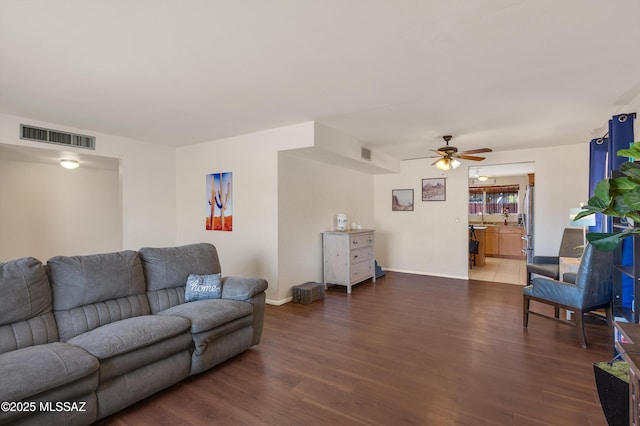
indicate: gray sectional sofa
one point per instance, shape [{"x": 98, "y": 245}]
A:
[{"x": 85, "y": 336}]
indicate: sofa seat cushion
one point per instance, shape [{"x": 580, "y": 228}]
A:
[
  {"x": 120, "y": 365},
  {"x": 35, "y": 369},
  {"x": 130, "y": 334},
  {"x": 208, "y": 314}
]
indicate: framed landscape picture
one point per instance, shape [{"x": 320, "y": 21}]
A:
[
  {"x": 434, "y": 189},
  {"x": 401, "y": 200}
]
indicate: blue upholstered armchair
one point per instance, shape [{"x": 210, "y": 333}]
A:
[{"x": 592, "y": 290}]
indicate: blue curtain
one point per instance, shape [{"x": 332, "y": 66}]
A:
[
  {"x": 598, "y": 170},
  {"x": 621, "y": 136}
]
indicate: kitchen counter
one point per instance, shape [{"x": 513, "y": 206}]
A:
[{"x": 492, "y": 224}]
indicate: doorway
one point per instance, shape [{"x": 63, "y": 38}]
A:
[
  {"x": 500, "y": 210},
  {"x": 48, "y": 210}
]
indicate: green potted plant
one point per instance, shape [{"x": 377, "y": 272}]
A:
[
  {"x": 620, "y": 198},
  {"x": 617, "y": 197}
]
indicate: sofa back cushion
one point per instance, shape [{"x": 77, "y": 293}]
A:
[
  {"x": 94, "y": 290},
  {"x": 166, "y": 271},
  {"x": 25, "y": 305}
]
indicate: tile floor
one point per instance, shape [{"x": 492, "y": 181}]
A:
[{"x": 512, "y": 271}]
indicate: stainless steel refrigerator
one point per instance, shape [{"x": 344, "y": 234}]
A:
[{"x": 527, "y": 222}]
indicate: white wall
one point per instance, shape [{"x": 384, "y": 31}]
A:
[
  {"x": 163, "y": 202},
  {"x": 46, "y": 210},
  {"x": 310, "y": 195},
  {"x": 431, "y": 241},
  {"x": 147, "y": 181},
  {"x": 427, "y": 239},
  {"x": 251, "y": 249}
]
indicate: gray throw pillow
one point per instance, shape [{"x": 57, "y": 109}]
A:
[{"x": 200, "y": 287}]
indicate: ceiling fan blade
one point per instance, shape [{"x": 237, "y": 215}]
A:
[
  {"x": 476, "y": 151},
  {"x": 469, "y": 157},
  {"x": 422, "y": 158}
]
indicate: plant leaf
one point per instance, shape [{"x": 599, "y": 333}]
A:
[
  {"x": 631, "y": 170},
  {"x": 605, "y": 241},
  {"x": 620, "y": 206},
  {"x": 595, "y": 205},
  {"x": 632, "y": 199},
  {"x": 620, "y": 186},
  {"x": 632, "y": 152},
  {"x": 602, "y": 191}
]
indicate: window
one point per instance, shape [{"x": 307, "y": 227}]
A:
[
  {"x": 475, "y": 200},
  {"x": 494, "y": 199}
]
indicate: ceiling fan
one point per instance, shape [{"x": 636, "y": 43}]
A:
[{"x": 448, "y": 155}]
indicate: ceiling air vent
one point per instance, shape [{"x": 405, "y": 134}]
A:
[
  {"x": 38, "y": 134},
  {"x": 365, "y": 153}
]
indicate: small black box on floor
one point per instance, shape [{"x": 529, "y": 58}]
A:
[{"x": 308, "y": 292}]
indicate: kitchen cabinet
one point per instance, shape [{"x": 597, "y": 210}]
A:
[
  {"x": 511, "y": 242},
  {"x": 492, "y": 246},
  {"x": 505, "y": 241}
]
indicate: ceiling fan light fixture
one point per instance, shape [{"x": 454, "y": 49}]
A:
[
  {"x": 449, "y": 156},
  {"x": 69, "y": 164},
  {"x": 443, "y": 164}
]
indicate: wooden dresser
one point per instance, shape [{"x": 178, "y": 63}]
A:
[{"x": 348, "y": 257}]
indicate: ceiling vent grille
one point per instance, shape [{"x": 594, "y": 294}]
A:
[
  {"x": 39, "y": 134},
  {"x": 365, "y": 153}
]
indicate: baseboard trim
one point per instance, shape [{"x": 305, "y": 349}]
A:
[
  {"x": 278, "y": 302},
  {"x": 404, "y": 271}
]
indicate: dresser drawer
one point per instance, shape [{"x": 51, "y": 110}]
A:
[
  {"x": 361, "y": 255},
  {"x": 361, "y": 240},
  {"x": 361, "y": 271}
]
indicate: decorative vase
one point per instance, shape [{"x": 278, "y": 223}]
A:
[
  {"x": 341, "y": 222},
  {"x": 613, "y": 393}
]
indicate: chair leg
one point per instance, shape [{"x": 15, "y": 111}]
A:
[
  {"x": 525, "y": 311},
  {"x": 579, "y": 316},
  {"x": 609, "y": 312}
]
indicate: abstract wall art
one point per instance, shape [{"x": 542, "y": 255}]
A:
[{"x": 219, "y": 207}]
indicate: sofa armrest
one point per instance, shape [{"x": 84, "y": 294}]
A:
[
  {"x": 251, "y": 290},
  {"x": 546, "y": 260},
  {"x": 242, "y": 288}
]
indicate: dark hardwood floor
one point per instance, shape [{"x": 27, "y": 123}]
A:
[{"x": 409, "y": 349}]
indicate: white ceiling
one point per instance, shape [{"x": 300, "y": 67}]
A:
[{"x": 396, "y": 75}]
